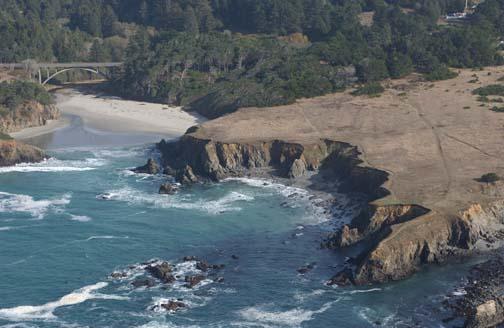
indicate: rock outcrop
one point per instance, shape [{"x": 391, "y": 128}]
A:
[
  {"x": 27, "y": 115},
  {"x": 14, "y": 152},
  {"x": 397, "y": 238},
  {"x": 150, "y": 168},
  {"x": 482, "y": 302}
]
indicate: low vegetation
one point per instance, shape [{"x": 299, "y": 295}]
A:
[
  {"x": 5, "y": 137},
  {"x": 490, "y": 90},
  {"x": 373, "y": 89},
  {"x": 490, "y": 178}
]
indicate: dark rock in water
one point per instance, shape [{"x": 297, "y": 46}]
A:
[
  {"x": 186, "y": 176},
  {"x": 203, "y": 266},
  {"x": 173, "y": 306},
  {"x": 162, "y": 272},
  {"x": 147, "y": 282},
  {"x": 192, "y": 281},
  {"x": 219, "y": 279},
  {"x": 307, "y": 268},
  {"x": 189, "y": 258},
  {"x": 218, "y": 266},
  {"x": 342, "y": 278},
  {"x": 168, "y": 189},
  {"x": 118, "y": 275},
  {"x": 150, "y": 168},
  {"x": 235, "y": 257}
]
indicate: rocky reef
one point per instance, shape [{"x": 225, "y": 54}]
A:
[
  {"x": 13, "y": 152},
  {"x": 480, "y": 301},
  {"x": 28, "y": 114},
  {"x": 396, "y": 239}
]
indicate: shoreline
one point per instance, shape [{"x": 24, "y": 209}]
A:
[{"x": 108, "y": 114}]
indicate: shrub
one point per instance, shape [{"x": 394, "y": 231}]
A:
[
  {"x": 4, "y": 136},
  {"x": 490, "y": 177},
  {"x": 490, "y": 90},
  {"x": 440, "y": 72},
  {"x": 497, "y": 109},
  {"x": 372, "y": 89}
]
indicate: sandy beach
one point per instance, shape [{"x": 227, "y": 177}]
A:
[{"x": 113, "y": 114}]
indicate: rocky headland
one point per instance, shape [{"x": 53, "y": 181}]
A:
[
  {"x": 14, "y": 152},
  {"x": 27, "y": 115},
  {"x": 415, "y": 153}
]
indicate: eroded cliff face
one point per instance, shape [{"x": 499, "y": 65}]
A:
[
  {"x": 13, "y": 152},
  {"x": 29, "y": 114},
  {"x": 398, "y": 238}
]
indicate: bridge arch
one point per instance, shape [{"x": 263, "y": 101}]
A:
[{"x": 95, "y": 71}]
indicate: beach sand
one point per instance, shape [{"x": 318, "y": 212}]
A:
[{"x": 113, "y": 114}]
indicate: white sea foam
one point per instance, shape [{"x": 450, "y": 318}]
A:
[
  {"x": 80, "y": 218},
  {"x": 137, "y": 197},
  {"x": 106, "y": 237},
  {"x": 45, "y": 311},
  {"x": 56, "y": 165},
  {"x": 260, "y": 315},
  {"x": 359, "y": 291},
  {"x": 6, "y": 228},
  {"x": 295, "y": 197},
  {"x": 372, "y": 316},
  {"x": 26, "y": 204},
  {"x": 157, "y": 324}
]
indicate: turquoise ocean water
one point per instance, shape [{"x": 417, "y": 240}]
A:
[{"x": 59, "y": 244}]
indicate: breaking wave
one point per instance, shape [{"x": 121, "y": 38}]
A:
[
  {"x": 45, "y": 311},
  {"x": 26, "y": 204},
  {"x": 260, "y": 315},
  {"x": 56, "y": 165},
  {"x": 221, "y": 205}
]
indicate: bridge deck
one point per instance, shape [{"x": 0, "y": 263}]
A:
[{"x": 61, "y": 65}]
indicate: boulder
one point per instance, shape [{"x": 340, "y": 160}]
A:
[
  {"x": 146, "y": 282},
  {"x": 150, "y": 168},
  {"x": 162, "y": 272},
  {"x": 192, "y": 281},
  {"x": 298, "y": 169},
  {"x": 168, "y": 189},
  {"x": 173, "y": 306}
]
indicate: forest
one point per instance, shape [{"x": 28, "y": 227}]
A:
[{"x": 215, "y": 56}]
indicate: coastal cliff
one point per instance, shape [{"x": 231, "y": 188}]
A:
[
  {"x": 13, "y": 152},
  {"x": 26, "y": 115},
  {"x": 398, "y": 238}
]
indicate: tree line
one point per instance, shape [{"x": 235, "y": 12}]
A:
[{"x": 217, "y": 55}]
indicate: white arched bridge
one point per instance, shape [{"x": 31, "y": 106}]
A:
[{"x": 45, "y": 72}]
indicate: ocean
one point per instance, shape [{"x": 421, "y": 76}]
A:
[{"x": 68, "y": 223}]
